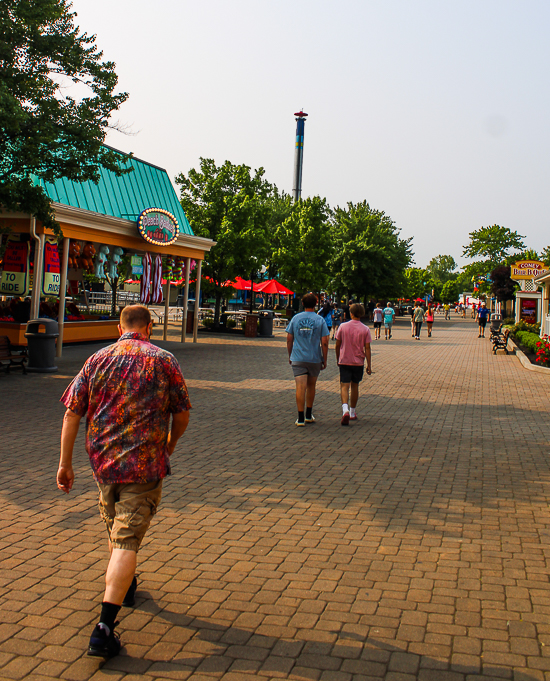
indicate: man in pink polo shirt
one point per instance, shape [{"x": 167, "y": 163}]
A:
[{"x": 352, "y": 348}]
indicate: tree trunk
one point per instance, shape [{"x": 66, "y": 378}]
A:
[
  {"x": 114, "y": 289},
  {"x": 217, "y": 310}
]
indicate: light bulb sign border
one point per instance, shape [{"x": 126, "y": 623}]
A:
[{"x": 145, "y": 222}]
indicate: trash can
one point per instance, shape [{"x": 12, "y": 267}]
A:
[
  {"x": 266, "y": 322},
  {"x": 41, "y": 335},
  {"x": 496, "y": 321}
]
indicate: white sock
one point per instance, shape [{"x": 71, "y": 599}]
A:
[
  {"x": 352, "y": 411},
  {"x": 345, "y": 408}
]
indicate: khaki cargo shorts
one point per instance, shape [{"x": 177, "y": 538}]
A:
[{"x": 127, "y": 510}]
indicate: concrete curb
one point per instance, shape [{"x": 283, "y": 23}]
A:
[{"x": 525, "y": 362}]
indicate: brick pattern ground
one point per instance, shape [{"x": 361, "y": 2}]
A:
[{"x": 411, "y": 545}]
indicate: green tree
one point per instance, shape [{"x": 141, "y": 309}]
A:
[
  {"x": 46, "y": 132},
  {"x": 545, "y": 255},
  {"x": 415, "y": 283},
  {"x": 493, "y": 244},
  {"x": 303, "y": 246},
  {"x": 450, "y": 291},
  {"x": 369, "y": 258},
  {"x": 441, "y": 268},
  {"x": 228, "y": 204}
]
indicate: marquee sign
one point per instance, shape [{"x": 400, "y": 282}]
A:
[
  {"x": 527, "y": 269},
  {"x": 158, "y": 226}
]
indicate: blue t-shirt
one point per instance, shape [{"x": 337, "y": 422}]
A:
[
  {"x": 483, "y": 312},
  {"x": 388, "y": 315},
  {"x": 307, "y": 328}
]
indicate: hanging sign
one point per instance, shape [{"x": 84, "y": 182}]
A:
[
  {"x": 15, "y": 275},
  {"x": 526, "y": 269},
  {"x": 158, "y": 226},
  {"x": 136, "y": 262},
  {"x": 52, "y": 269}
]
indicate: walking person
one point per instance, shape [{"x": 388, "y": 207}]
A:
[
  {"x": 326, "y": 312},
  {"x": 378, "y": 317},
  {"x": 352, "y": 348},
  {"x": 429, "y": 320},
  {"x": 307, "y": 344},
  {"x": 336, "y": 319},
  {"x": 135, "y": 400},
  {"x": 447, "y": 309},
  {"x": 482, "y": 316},
  {"x": 389, "y": 314},
  {"x": 418, "y": 318}
]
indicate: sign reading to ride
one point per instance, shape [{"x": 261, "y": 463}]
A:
[
  {"x": 15, "y": 279},
  {"x": 527, "y": 269},
  {"x": 52, "y": 269},
  {"x": 158, "y": 226}
]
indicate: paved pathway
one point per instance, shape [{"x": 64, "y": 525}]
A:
[{"x": 411, "y": 545}]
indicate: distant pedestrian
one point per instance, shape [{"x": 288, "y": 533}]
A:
[
  {"x": 389, "y": 314},
  {"x": 336, "y": 319},
  {"x": 378, "y": 316},
  {"x": 447, "y": 309},
  {"x": 128, "y": 391},
  {"x": 347, "y": 314},
  {"x": 482, "y": 316},
  {"x": 326, "y": 312},
  {"x": 429, "y": 320},
  {"x": 352, "y": 348},
  {"x": 418, "y": 318},
  {"x": 307, "y": 344}
]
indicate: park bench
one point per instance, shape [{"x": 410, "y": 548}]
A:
[
  {"x": 6, "y": 355},
  {"x": 500, "y": 341}
]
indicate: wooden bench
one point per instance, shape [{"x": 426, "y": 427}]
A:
[
  {"x": 500, "y": 341},
  {"x": 6, "y": 355}
]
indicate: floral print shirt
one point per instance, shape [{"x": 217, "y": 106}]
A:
[{"x": 127, "y": 392}]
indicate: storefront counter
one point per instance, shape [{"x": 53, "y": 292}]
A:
[{"x": 75, "y": 332}]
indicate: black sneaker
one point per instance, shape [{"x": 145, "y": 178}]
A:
[
  {"x": 130, "y": 600},
  {"x": 104, "y": 643}
]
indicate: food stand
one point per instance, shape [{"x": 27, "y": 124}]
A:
[{"x": 136, "y": 214}]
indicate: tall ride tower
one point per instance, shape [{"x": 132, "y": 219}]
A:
[{"x": 299, "y": 154}]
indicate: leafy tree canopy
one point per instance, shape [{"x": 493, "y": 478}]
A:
[
  {"x": 493, "y": 243},
  {"x": 450, "y": 291},
  {"x": 369, "y": 258},
  {"x": 502, "y": 286},
  {"x": 303, "y": 246},
  {"x": 441, "y": 267},
  {"x": 228, "y": 204},
  {"x": 45, "y": 129},
  {"x": 545, "y": 255}
]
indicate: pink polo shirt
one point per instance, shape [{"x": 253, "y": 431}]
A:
[{"x": 353, "y": 336}]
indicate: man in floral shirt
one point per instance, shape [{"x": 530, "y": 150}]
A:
[{"x": 129, "y": 393}]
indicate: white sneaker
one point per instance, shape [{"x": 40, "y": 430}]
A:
[{"x": 299, "y": 423}]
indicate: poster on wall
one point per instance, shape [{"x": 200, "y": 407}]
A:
[
  {"x": 15, "y": 275},
  {"x": 52, "y": 269},
  {"x": 528, "y": 310}
]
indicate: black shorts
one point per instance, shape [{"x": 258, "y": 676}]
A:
[
  {"x": 483, "y": 322},
  {"x": 351, "y": 373},
  {"x": 377, "y": 325}
]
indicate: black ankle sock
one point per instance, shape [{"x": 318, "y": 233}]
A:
[
  {"x": 109, "y": 611},
  {"x": 301, "y": 416},
  {"x": 308, "y": 412}
]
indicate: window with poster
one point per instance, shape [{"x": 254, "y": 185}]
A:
[{"x": 528, "y": 310}]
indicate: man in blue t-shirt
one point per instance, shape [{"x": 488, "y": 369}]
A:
[
  {"x": 482, "y": 316},
  {"x": 307, "y": 344},
  {"x": 389, "y": 314}
]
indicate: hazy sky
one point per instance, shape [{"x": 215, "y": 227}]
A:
[{"x": 435, "y": 112}]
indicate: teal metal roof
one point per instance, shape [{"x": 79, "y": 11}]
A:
[{"x": 147, "y": 186}]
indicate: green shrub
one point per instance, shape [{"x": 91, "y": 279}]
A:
[
  {"x": 509, "y": 321},
  {"x": 528, "y": 339},
  {"x": 208, "y": 322},
  {"x": 231, "y": 324},
  {"x": 523, "y": 326}
]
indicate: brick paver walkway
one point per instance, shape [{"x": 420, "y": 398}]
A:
[{"x": 411, "y": 545}]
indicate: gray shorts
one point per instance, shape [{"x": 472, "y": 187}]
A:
[{"x": 307, "y": 368}]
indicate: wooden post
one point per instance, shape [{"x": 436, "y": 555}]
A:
[
  {"x": 62, "y": 291},
  {"x": 197, "y": 302},
  {"x": 166, "y": 309},
  {"x": 185, "y": 300}
]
